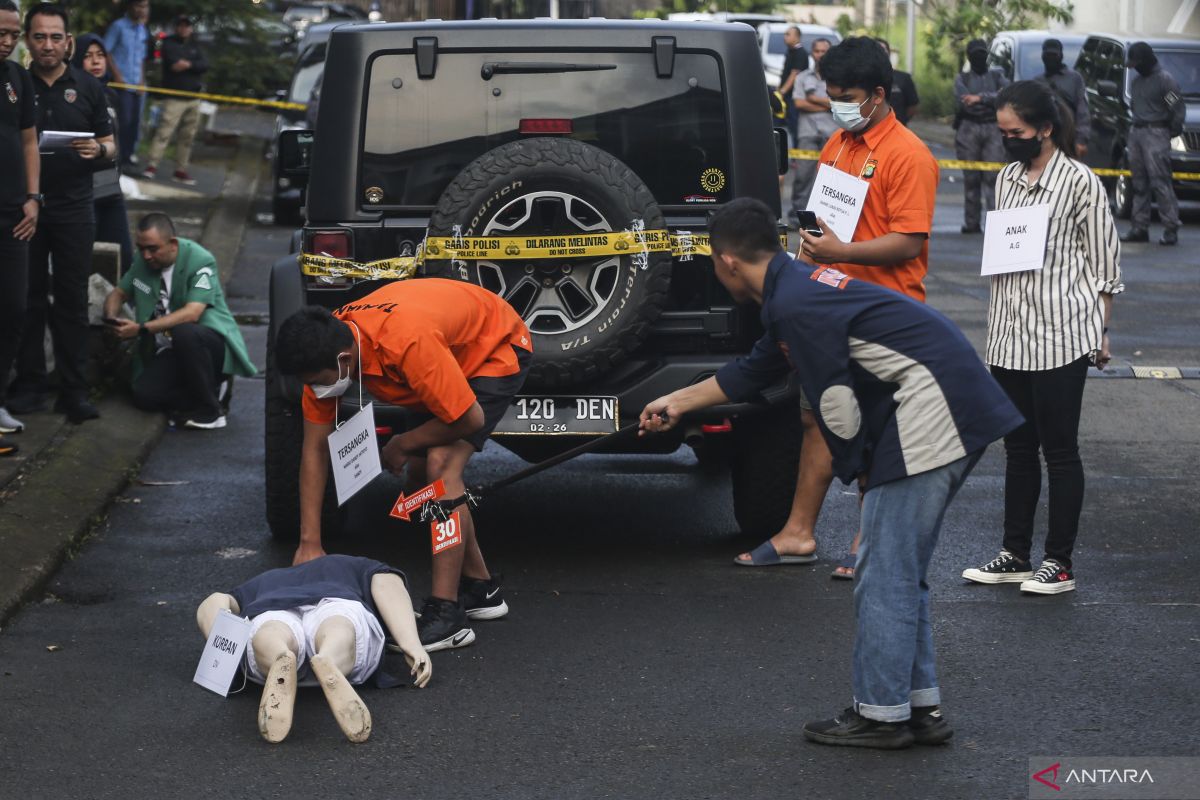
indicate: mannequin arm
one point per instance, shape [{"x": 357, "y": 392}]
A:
[
  {"x": 395, "y": 606},
  {"x": 214, "y": 604}
]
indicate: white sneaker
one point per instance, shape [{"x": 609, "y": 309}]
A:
[
  {"x": 219, "y": 422},
  {"x": 9, "y": 423}
]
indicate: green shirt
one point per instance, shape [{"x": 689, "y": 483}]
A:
[{"x": 193, "y": 280}]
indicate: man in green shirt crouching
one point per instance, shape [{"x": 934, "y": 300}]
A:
[{"x": 188, "y": 344}]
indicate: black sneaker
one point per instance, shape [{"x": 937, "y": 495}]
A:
[
  {"x": 851, "y": 729},
  {"x": 928, "y": 726},
  {"x": 443, "y": 626},
  {"x": 77, "y": 408},
  {"x": 1169, "y": 237},
  {"x": 1051, "y": 578},
  {"x": 1004, "y": 568},
  {"x": 1135, "y": 235},
  {"x": 482, "y": 599}
]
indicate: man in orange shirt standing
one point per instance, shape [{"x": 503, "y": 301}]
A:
[
  {"x": 890, "y": 247},
  {"x": 454, "y": 354}
]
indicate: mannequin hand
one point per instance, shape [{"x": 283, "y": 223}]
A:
[
  {"x": 394, "y": 456},
  {"x": 125, "y": 329},
  {"x": 422, "y": 667},
  {"x": 824, "y": 249},
  {"x": 1104, "y": 355},
  {"x": 307, "y": 551},
  {"x": 25, "y": 229}
]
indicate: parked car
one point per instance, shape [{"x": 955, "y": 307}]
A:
[
  {"x": 302, "y": 16},
  {"x": 287, "y": 197},
  {"x": 1019, "y": 53},
  {"x": 591, "y": 126},
  {"x": 773, "y": 48},
  {"x": 1101, "y": 62}
]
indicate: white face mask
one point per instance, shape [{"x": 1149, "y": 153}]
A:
[
  {"x": 848, "y": 115},
  {"x": 336, "y": 389}
]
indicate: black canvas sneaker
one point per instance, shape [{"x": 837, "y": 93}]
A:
[
  {"x": 851, "y": 729},
  {"x": 1051, "y": 578},
  {"x": 928, "y": 726},
  {"x": 482, "y": 599},
  {"x": 443, "y": 626},
  {"x": 1004, "y": 568}
]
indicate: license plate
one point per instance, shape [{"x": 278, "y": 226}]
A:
[{"x": 588, "y": 416}]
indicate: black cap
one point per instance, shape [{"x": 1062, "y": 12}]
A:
[
  {"x": 976, "y": 44},
  {"x": 1052, "y": 46}
]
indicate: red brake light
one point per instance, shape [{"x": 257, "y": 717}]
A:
[
  {"x": 545, "y": 126},
  {"x": 335, "y": 244}
]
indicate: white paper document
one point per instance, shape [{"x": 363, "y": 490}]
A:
[
  {"x": 1015, "y": 240},
  {"x": 223, "y": 653},
  {"x": 60, "y": 140},
  {"x": 354, "y": 453},
  {"x": 837, "y": 197}
]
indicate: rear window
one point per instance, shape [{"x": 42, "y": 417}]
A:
[{"x": 420, "y": 134}]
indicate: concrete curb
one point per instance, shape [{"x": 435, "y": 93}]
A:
[{"x": 61, "y": 501}]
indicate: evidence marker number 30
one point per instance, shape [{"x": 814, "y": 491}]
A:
[{"x": 589, "y": 416}]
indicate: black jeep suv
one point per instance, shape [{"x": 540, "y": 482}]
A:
[{"x": 557, "y": 132}]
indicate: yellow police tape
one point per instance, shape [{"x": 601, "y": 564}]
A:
[
  {"x": 995, "y": 166},
  {"x": 511, "y": 248},
  {"x": 214, "y": 98}
]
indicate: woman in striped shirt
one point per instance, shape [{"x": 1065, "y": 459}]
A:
[{"x": 1044, "y": 327}]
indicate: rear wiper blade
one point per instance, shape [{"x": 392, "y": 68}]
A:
[{"x": 491, "y": 68}]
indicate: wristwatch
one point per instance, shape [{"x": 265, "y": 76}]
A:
[
  {"x": 40, "y": 198},
  {"x": 142, "y": 327}
]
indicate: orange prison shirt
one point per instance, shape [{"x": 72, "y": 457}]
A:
[
  {"x": 903, "y": 176},
  {"x": 422, "y": 339}
]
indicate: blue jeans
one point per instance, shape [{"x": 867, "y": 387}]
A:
[{"x": 894, "y": 661}]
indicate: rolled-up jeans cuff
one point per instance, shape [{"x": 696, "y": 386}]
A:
[
  {"x": 884, "y": 713},
  {"x": 921, "y": 698}
]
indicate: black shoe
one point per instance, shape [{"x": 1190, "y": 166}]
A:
[
  {"x": 78, "y": 409},
  {"x": 482, "y": 599},
  {"x": 1169, "y": 237},
  {"x": 1004, "y": 568},
  {"x": 1051, "y": 578},
  {"x": 443, "y": 626},
  {"x": 970, "y": 229},
  {"x": 1135, "y": 235},
  {"x": 928, "y": 726},
  {"x": 851, "y": 729},
  {"x": 27, "y": 402},
  {"x": 205, "y": 423}
]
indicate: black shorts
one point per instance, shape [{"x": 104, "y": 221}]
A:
[{"x": 494, "y": 396}]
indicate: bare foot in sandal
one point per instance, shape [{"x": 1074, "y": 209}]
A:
[
  {"x": 844, "y": 571},
  {"x": 782, "y": 548}
]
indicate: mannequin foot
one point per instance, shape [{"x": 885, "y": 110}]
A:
[
  {"x": 278, "y": 700},
  {"x": 348, "y": 708}
]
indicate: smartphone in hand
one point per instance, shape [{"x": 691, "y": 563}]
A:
[{"x": 808, "y": 223}]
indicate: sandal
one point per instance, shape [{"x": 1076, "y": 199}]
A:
[
  {"x": 765, "y": 555},
  {"x": 847, "y": 563}
]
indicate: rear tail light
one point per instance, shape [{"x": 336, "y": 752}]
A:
[
  {"x": 541, "y": 127},
  {"x": 335, "y": 244}
]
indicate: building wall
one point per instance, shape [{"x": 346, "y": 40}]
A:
[{"x": 1148, "y": 17}]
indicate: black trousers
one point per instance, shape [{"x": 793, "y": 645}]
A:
[
  {"x": 14, "y": 277},
  {"x": 70, "y": 246},
  {"x": 1050, "y": 401},
  {"x": 185, "y": 377}
]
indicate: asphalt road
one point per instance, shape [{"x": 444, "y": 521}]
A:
[{"x": 638, "y": 662}]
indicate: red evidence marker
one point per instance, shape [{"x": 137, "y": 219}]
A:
[{"x": 406, "y": 505}]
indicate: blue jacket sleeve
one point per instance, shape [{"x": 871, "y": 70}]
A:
[{"x": 745, "y": 376}]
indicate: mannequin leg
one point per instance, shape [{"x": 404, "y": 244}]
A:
[
  {"x": 332, "y": 661},
  {"x": 275, "y": 651}
]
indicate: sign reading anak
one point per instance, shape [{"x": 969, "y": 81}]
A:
[
  {"x": 354, "y": 453},
  {"x": 223, "y": 653},
  {"x": 1015, "y": 240},
  {"x": 837, "y": 197}
]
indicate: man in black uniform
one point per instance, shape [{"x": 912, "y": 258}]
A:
[
  {"x": 19, "y": 202},
  {"x": 904, "y": 98},
  {"x": 1068, "y": 85},
  {"x": 795, "y": 61},
  {"x": 1158, "y": 113},
  {"x": 68, "y": 99},
  {"x": 977, "y": 137}
]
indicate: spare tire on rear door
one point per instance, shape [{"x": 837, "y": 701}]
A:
[{"x": 586, "y": 314}]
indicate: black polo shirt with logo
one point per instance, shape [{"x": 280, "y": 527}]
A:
[
  {"x": 18, "y": 112},
  {"x": 74, "y": 102}
]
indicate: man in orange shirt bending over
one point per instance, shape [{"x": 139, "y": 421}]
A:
[
  {"x": 453, "y": 353},
  {"x": 890, "y": 247}
]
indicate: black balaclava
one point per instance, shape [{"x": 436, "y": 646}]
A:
[
  {"x": 977, "y": 54},
  {"x": 1052, "y": 56},
  {"x": 1142, "y": 58}
]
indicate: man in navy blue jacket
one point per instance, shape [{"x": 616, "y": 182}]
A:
[{"x": 906, "y": 405}]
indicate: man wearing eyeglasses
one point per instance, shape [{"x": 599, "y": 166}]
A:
[{"x": 68, "y": 99}]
